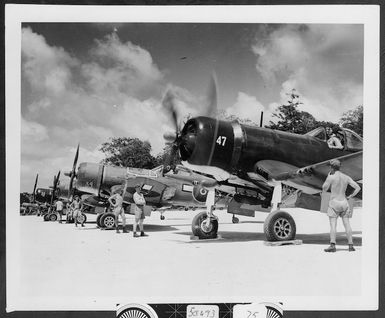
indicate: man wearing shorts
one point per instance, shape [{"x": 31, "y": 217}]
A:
[
  {"x": 59, "y": 209},
  {"x": 140, "y": 202},
  {"x": 76, "y": 206},
  {"x": 116, "y": 201},
  {"x": 338, "y": 204}
]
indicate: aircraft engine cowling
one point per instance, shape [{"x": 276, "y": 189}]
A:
[
  {"x": 219, "y": 142},
  {"x": 200, "y": 193},
  {"x": 88, "y": 176}
]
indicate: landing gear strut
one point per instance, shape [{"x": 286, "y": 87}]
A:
[
  {"x": 235, "y": 220},
  {"x": 205, "y": 224}
]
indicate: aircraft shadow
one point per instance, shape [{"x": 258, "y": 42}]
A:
[{"x": 319, "y": 238}]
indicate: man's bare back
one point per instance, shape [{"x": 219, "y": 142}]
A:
[{"x": 338, "y": 182}]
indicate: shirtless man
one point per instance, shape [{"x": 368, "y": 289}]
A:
[
  {"x": 116, "y": 201},
  {"x": 76, "y": 207},
  {"x": 338, "y": 204}
]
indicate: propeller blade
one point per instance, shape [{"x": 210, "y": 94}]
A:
[
  {"x": 73, "y": 171},
  {"x": 213, "y": 111},
  {"x": 34, "y": 188},
  {"x": 76, "y": 158},
  {"x": 168, "y": 104},
  {"x": 212, "y": 99},
  {"x": 169, "y": 162},
  {"x": 57, "y": 180}
]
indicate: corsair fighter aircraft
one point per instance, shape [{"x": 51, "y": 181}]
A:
[{"x": 260, "y": 163}]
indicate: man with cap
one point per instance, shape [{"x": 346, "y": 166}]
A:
[
  {"x": 116, "y": 201},
  {"x": 338, "y": 204},
  {"x": 140, "y": 202}
]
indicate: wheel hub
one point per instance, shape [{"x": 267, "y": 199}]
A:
[
  {"x": 109, "y": 221},
  {"x": 206, "y": 227},
  {"x": 282, "y": 228}
]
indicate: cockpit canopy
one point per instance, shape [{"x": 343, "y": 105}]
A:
[{"x": 349, "y": 139}]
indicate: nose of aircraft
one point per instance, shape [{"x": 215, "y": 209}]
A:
[{"x": 188, "y": 139}]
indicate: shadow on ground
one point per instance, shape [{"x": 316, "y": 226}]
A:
[{"x": 319, "y": 238}]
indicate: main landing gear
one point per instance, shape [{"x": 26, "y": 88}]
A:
[
  {"x": 106, "y": 220},
  {"x": 205, "y": 224},
  {"x": 279, "y": 225}
]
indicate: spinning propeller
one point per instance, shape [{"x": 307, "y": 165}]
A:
[{"x": 184, "y": 139}]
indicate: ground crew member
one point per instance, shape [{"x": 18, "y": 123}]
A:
[
  {"x": 68, "y": 212},
  {"x": 338, "y": 204},
  {"x": 76, "y": 206},
  {"x": 59, "y": 209},
  {"x": 116, "y": 201},
  {"x": 140, "y": 202}
]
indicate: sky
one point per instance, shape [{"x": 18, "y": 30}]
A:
[{"x": 87, "y": 82}]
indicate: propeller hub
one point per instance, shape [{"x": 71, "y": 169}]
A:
[{"x": 170, "y": 137}]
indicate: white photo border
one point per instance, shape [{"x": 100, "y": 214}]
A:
[{"x": 368, "y": 15}]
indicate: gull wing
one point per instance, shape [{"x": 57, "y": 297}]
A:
[{"x": 309, "y": 178}]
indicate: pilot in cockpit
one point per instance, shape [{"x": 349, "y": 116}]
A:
[{"x": 333, "y": 141}]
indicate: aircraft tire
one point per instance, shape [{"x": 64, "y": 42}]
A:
[
  {"x": 108, "y": 221},
  {"x": 98, "y": 220},
  {"x": 52, "y": 217},
  {"x": 200, "y": 230},
  {"x": 279, "y": 226},
  {"x": 82, "y": 218},
  {"x": 162, "y": 217},
  {"x": 235, "y": 220},
  {"x": 46, "y": 217}
]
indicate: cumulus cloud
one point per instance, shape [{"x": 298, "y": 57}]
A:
[
  {"x": 324, "y": 63},
  {"x": 47, "y": 69},
  {"x": 248, "y": 107},
  {"x": 68, "y": 100},
  {"x": 33, "y": 132},
  {"x": 120, "y": 68}
]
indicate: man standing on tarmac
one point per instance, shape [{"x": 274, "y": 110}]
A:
[
  {"x": 116, "y": 201},
  {"x": 59, "y": 209},
  {"x": 338, "y": 204},
  {"x": 76, "y": 206},
  {"x": 140, "y": 202}
]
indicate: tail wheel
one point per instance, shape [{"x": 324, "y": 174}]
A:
[
  {"x": 201, "y": 229},
  {"x": 82, "y": 218},
  {"x": 108, "y": 221},
  {"x": 279, "y": 226}
]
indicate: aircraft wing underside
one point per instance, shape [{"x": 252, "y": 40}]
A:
[{"x": 310, "y": 178}]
